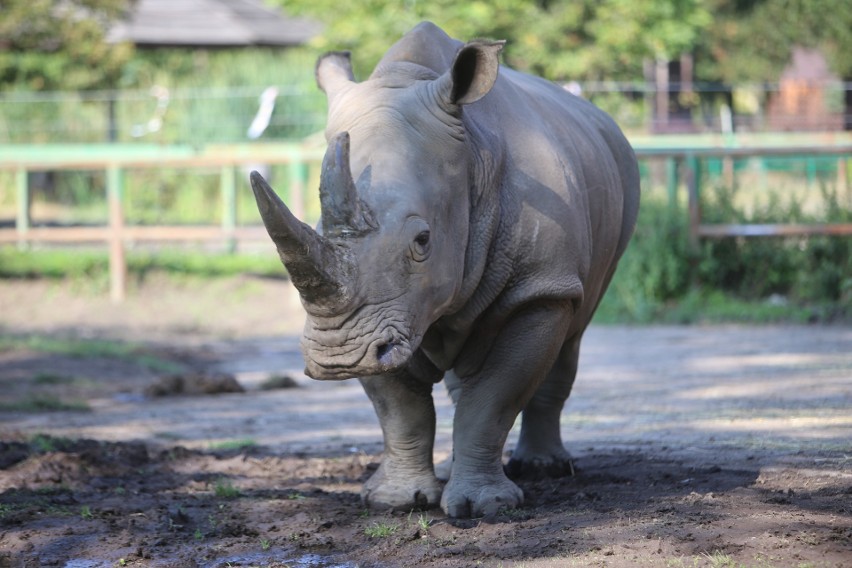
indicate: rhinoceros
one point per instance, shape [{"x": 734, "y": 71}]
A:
[{"x": 471, "y": 219}]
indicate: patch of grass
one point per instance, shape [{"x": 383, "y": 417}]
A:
[
  {"x": 238, "y": 444},
  {"x": 94, "y": 264},
  {"x": 380, "y": 529},
  {"x": 86, "y": 513},
  {"x": 89, "y": 348},
  {"x": 44, "y": 403},
  {"x": 713, "y": 306},
  {"x": 718, "y": 559},
  {"x": 42, "y": 443},
  {"x": 224, "y": 489},
  {"x": 51, "y": 379},
  {"x": 265, "y": 544},
  {"x": 423, "y": 522}
]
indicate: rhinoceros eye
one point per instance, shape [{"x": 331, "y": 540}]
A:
[
  {"x": 422, "y": 239},
  {"x": 420, "y": 247}
]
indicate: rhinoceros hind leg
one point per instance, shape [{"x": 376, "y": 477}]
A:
[
  {"x": 555, "y": 467},
  {"x": 540, "y": 452}
]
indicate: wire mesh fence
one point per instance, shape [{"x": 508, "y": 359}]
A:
[
  {"x": 234, "y": 114},
  {"x": 160, "y": 115}
]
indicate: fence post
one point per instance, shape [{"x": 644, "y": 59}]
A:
[
  {"x": 22, "y": 218},
  {"x": 117, "y": 261},
  {"x": 842, "y": 176},
  {"x": 672, "y": 182},
  {"x": 228, "y": 186},
  {"x": 692, "y": 176},
  {"x": 811, "y": 170}
]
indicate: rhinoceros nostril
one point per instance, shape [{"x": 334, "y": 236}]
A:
[{"x": 384, "y": 353}]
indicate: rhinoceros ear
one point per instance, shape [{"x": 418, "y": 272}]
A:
[
  {"x": 333, "y": 70},
  {"x": 472, "y": 74}
]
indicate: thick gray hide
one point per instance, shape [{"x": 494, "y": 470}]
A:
[{"x": 472, "y": 218}]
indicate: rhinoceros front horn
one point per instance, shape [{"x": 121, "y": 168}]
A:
[{"x": 318, "y": 269}]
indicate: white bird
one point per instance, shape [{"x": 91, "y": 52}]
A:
[{"x": 264, "y": 113}]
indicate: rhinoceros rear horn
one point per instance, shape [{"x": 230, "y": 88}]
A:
[
  {"x": 319, "y": 270},
  {"x": 343, "y": 213}
]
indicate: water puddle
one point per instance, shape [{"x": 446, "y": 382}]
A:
[{"x": 272, "y": 559}]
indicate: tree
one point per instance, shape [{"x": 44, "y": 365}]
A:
[
  {"x": 46, "y": 44},
  {"x": 752, "y": 40},
  {"x": 559, "y": 39}
]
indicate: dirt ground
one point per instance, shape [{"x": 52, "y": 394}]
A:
[{"x": 711, "y": 446}]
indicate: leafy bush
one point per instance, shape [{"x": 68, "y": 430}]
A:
[{"x": 733, "y": 278}]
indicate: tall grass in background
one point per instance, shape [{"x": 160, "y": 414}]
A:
[{"x": 662, "y": 278}]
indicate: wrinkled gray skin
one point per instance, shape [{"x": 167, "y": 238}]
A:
[{"x": 472, "y": 217}]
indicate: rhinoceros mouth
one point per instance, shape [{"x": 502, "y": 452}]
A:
[{"x": 381, "y": 356}]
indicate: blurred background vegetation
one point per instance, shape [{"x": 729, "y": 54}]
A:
[{"x": 62, "y": 80}]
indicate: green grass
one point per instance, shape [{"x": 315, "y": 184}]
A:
[
  {"x": 43, "y": 378},
  {"x": 44, "y": 403},
  {"x": 239, "y": 444},
  {"x": 224, "y": 489},
  {"x": 380, "y": 529},
  {"x": 92, "y": 264},
  {"x": 88, "y": 348},
  {"x": 43, "y": 443},
  {"x": 705, "y": 306}
]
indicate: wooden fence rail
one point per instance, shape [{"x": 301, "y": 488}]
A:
[
  {"x": 682, "y": 165},
  {"x": 687, "y": 162}
]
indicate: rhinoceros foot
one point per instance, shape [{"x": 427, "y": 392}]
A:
[
  {"x": 536, "y": 468},
  {"x": 480, "y": 496},
  {"x": 401, "y": 490}
]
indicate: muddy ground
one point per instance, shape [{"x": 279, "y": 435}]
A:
[{"x": 694, "y": 446}]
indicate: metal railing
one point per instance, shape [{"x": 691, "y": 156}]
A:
[
  {"x": 683, "y": 168},
  {"x": 115, "y": 161},
  {"x": 685, "y": 164}
]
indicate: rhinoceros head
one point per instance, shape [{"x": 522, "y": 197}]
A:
[{"x": 388, "y": 257}]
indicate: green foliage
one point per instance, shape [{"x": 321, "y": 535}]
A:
[
  {"x": 197, "y": 114},
  {"x": 50, "y": 45},
  {"x": 238, "y": 444},
  {"x": 94, "y": 264},
  {"x": 207, "y": 96},
  {"x": 380, "y": 529},
  {"x": 89, "y": 348},
  {"x": 559, "y": 40},
  {"x": 44, "y": 403},
  {"x": 732, "y": 279},
  {"x": 735, "y": 40},
  {"x": 814, "y": 269},
  {"x": 752, "y": 40},
  {"x": 224, "y": 489}
]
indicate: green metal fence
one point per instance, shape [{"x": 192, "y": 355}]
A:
[{"x": 686, "y": 163}]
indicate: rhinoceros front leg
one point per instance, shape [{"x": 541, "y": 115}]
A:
[
  {"x": 490, "y": 400},
  {"x": 405, "y": 478}
]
